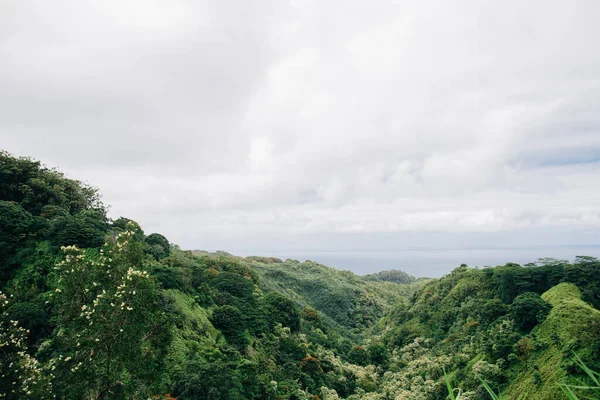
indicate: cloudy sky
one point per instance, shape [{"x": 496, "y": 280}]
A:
[{"x": 289, "y": 126}]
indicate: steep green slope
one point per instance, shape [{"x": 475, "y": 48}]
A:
[
  {"x": 569, "y": 328},
  {"x": 491, "y": 324},
  {"x": 342, "y": 297},
  {"x": 194, "y": 330}
]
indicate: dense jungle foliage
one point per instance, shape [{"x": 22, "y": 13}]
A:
[{"x": 94, "y": 308}]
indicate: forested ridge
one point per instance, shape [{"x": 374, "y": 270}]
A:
[{"x": 95, "y": 308}]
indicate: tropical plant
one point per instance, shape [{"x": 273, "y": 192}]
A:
[{"x": 593, "y": 388}]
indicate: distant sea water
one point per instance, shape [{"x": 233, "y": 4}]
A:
[{"x": 426, "y": 262}]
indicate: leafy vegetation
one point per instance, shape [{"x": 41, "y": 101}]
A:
[
  {"x": 93, "y": 308},
  {"x": 395, "y": 276},
  {"x": 570, "y": 390}
]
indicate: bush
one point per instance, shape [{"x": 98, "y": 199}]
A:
[
  {"x": 282, "y": 310},
  {"x": 358, "y": 355},
  {"x": 230, "y": 321},
  {"x": 158, "y": 246},
  {"x": 378, "y": 354},
  {"x": 528, "y": 310}
]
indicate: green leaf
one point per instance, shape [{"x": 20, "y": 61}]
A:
[
  {"x": 487, "y": 387},
  {"x": 449, "y": 386}
]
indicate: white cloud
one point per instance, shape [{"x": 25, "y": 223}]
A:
[{"x": 216, "y": 122}]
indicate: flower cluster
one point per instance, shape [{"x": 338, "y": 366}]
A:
[{"x": 20, "y": 374}]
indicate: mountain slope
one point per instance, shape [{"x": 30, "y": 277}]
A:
[
  {"x": 568, "y": 328},
  {"x": 342, "y": 297}
]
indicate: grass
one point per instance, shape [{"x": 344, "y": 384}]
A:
[
  {"x": 487, "y": 387},
  {"x": 453, "y": 393},
  {"x": 569, "y": 390},
  {"x": 457, "y": 393}
]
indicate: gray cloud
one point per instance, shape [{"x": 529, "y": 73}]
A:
[{"x": 223, "y": 124}]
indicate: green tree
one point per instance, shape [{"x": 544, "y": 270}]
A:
[
  {"x": 492, "y": 310},
  {"x": 230, "y": 321},
  {"x": 584, "y": 273},
  {"x": 207, "y": 381},
  {"x": 378, "y": 353},
  {"x": 528, "y": 310},
  {"x": 111, "y": 333},
  {"x": 358, "y": 355},
  {"x": 235, "y": 285},
  {"x": 282, "y": 310},
  {"x": 524, "y": 348},
  {"x": 158, "y": 246},
  {"x": 15, "y": 226},
  {"x": 21, "y": 375},
  {"x": 86, "y": 229},
  {"x": 123, "y": 224},
  {"x": 27, "y": 182}
]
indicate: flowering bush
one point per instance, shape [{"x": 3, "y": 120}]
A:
[
  {"x": 21, "y": 375},
  {"x": 109, "y": 320}
]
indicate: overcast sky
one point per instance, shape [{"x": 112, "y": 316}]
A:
[{"x": 322, "y": 125}]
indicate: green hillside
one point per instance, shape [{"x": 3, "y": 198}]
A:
[
  {"x": 569, "y": 327},
  {"x": 94, "y": 308},
  {"x": 348, "y": 300}
]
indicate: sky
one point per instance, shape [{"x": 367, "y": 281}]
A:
[{"x": 278, "y": 127}]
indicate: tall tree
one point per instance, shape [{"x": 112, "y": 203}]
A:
[{"x": 111, "y": 331}]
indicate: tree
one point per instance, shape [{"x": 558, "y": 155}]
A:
[
  {"x": 282, "y": 310},
  {"x": 21, "y": 375},
  {"x": 378, "y": 353},
  {"x": 86, "y": 229},
  {"x": 15, "y": 223},
  {"x": 111, "y": 332},
  {"x": 492, "y": 310},
  {"x": 158, "y": 246},
  {"x": 123, "y": 224},
  {"x": 394, "y": 276},
  {"x": 524, "y": 348},
  {"x": 204, "y": 381},
  {"x": 584, "y": 273},
  {"x": 528, "y": 310},
  {"x": 33, "y": 186},
  {"x": 235, "y": 285},
  {"x": 490, "y": 373},
  {"x": 358, "y": 355},
  {"x": 229, "y": 320},
  {"x": 13, "y": 173},
  {"x": 311, "y": 365}
]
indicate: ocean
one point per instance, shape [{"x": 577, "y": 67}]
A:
[{"x": 425, "y": 262}]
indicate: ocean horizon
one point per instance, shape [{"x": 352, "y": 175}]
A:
[{"x": 425, "y": 262}]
